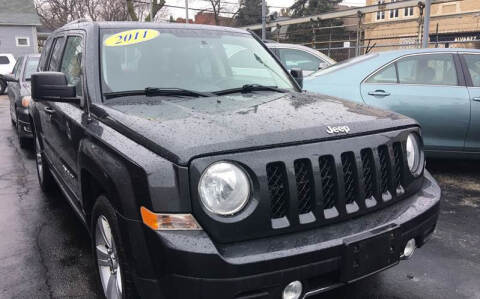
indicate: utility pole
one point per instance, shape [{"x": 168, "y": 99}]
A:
[
  {"x": 264, "y": 20},
  {"x": 186, "y": 11},
  {"x": 426, "y": 24},
  {"x": 151, "y": 10}
]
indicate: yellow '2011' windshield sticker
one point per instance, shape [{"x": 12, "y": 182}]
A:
[{"x": 130, "y": 37}]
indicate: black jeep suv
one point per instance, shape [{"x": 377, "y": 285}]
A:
[{"x": 201, "y": 169}]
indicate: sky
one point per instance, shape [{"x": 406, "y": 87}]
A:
[{"x": 204, "y": 4}]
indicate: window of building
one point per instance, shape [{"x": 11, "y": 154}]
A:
[
  {"x": 381, "y": 13},
  {"x": 23, "y": 41},
  {"x": 394, "y": 12},
  {"x": 408, "y": 12}
]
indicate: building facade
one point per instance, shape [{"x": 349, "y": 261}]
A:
[
  {"x": 453, "y": 24},
  {"x": 18, "y": 27}
]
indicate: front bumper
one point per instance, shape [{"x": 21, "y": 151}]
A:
[
  {"x": 188, "y": 264},
  {"x": 23, "y": 120}
]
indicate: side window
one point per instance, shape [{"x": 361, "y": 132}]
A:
[
  {"x": 387, "y": 75},
  {"x": 56, "y": 54},
  {"x": 429, "y": 69},
  {"x": 18, "y": 68},
  {"x": 72, "y": 62},
  {"x": 43, "y": 59},
  {"x": 4, "y": 60},
  {"x": 299, "y": 59},
  {"x": 473, "y": 64}
]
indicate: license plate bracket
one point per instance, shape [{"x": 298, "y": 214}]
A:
[{"x": 369, "y": 253}]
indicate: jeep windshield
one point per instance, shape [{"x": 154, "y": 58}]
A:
[{"x": 193, "y": 62}]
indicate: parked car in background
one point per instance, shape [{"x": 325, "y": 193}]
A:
[
  {"x": 19, "y": 96},
  {"x": 297, "y": 56},
  {"x": 202, "y": 170},
  {"x": 7, "y": 61},
  {"x": 440, "y": 88}
]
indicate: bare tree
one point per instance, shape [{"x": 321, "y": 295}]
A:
[
  {"x": 136, "y": 9},
  {"x": 222, "y": 6},
  {"x": 56, "y": 13}
]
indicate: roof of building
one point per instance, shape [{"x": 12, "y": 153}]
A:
[{"x": 18, "y": 12}]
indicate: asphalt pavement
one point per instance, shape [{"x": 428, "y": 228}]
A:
[{"x": 45, "y": 251}]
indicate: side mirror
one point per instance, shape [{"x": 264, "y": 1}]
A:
[
  {"x": 9, "y": 78},
  {"x": 297, "y": 74},
  {"x": 322, "y": 65},
  {"x": 53, "y": 86}
]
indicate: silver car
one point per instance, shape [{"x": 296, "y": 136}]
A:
[{"x": 297, "y": 56}]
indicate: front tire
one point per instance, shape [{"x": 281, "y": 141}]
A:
[
  {"x": 45, "y": 178},
  {"x": 23, "y": 141},
  {"x": 3, "y": 86},
  {"x": 112, "y": 267}
]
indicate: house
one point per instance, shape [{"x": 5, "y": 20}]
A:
[
  {"x": 18, "y": 27},
  {"x": 452, "y": 24}
]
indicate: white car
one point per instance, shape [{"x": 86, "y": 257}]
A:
[
  {"x": 7, "y": 61},
  {"x": 297, "y": 56}
]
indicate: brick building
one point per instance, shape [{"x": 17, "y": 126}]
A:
[{"x": 453, "y": 24}]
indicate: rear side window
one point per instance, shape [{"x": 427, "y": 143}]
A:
[
  {"x": 431, "y": 69},
  {"x": 299, "y": 59},
  {"x": 56, "y": 54},
  {"x": 473, "y": 64},
  {"x": 387, "y": 75},
  {"x": 4, "y": 60}
]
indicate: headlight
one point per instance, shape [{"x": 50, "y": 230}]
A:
[
  {"x": 224, "y": 188},
  {"x": 414, "y": 154},
  {"x": 26, "y": 101}
]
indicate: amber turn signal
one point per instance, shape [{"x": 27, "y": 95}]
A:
[
  {"x": 26, "y": 101},
  {"x": 168, "y": 221}
]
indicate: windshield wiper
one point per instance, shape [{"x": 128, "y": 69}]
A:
[
  {"x": 247, "y": 88},
  {"x": 155, "y": 91}
]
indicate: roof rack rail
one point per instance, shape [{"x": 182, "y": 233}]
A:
[{"x": 81, "y": 20}]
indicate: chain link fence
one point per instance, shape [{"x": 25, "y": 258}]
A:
[{"x": 359, "y": 34}]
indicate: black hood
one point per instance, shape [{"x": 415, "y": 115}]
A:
[{"x": 184, "y": 128}]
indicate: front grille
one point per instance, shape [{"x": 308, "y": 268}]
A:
[
  {"x": 329, "y": 181},
  {"x": 368, "y": 166},
  {"x": 358, "y": 172},
  {"x": 277, "y": 185},
  {"x": 398, "y": 162},
  {"x": 304, "y": 179},
  {"x": 384, "y": 168},
  {"x": 349, "y": 177}
]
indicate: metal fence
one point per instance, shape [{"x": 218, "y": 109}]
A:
[{"x": 357, "y": 34}]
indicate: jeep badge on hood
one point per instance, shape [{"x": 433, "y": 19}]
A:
[{"x": 339, "y": 129}]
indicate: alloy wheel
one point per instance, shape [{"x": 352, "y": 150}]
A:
[{"x": 107, "y": 259}]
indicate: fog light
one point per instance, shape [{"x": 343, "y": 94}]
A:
[
  {"x": 293, "y": 290},
  {"x": 409, "y": 249}
]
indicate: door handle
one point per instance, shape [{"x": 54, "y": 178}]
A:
[
  {"x": 49, "y": 110},
  {"x": 379, "y": 93},
  {"x": 476, "y": 99}
]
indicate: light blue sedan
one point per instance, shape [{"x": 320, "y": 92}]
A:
[{"x": 440, "y": 88}]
